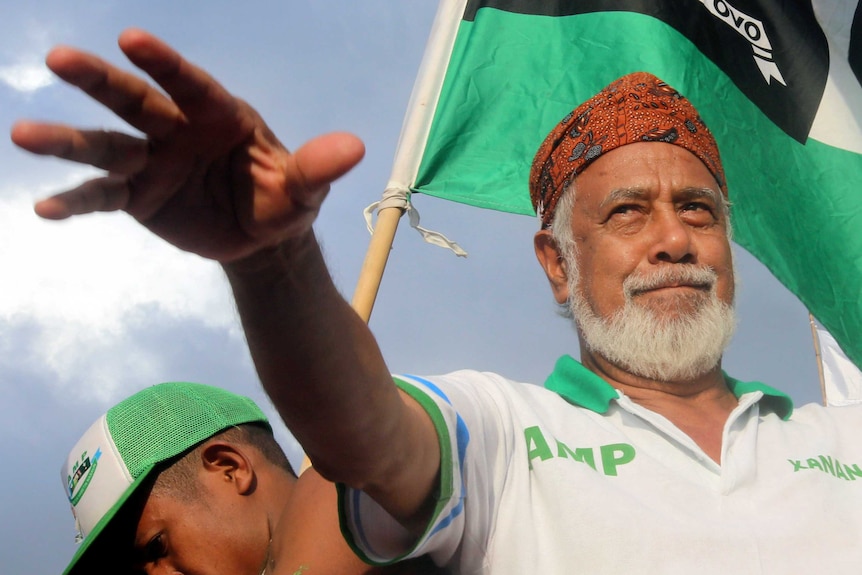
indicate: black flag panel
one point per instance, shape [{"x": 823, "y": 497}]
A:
[
  {"x": 774, "y": 51},
  {"x": 855, "y": 55}
]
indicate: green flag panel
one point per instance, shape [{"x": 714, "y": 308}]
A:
[{"x": 511, "y": 77}]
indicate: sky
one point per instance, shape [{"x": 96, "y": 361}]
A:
[{"x": 94, "y": 309}]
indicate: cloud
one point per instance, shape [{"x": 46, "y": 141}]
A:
[
  {"x": 88, "y": 287},
  {"x": 25, "y": 37},
  {"x": 26, "y": 77}
]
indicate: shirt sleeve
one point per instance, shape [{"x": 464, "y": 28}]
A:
[{"x": 469, "y": 414}]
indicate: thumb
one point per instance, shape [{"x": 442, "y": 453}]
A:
[{"x": 324, "y": 159}]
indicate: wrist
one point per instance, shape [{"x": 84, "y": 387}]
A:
[{"x": 272, "y": 258}]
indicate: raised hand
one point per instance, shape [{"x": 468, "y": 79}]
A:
[{"x": 208, "y": 175}]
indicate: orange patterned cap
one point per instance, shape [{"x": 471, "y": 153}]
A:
[{"x": 636, "y": 108}]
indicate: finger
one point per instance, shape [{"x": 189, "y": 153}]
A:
[
  {"x": 100, "y": 195},
  {"x": 197, "y": 94},
  {"x": 323, "y": 160},
  {"x": 129, "y": 97},
  {"x": 112, "y": 151}
]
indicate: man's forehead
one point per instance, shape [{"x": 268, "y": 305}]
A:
[{"x": 639, "y": 167}]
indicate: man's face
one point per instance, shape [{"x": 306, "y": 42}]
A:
[
  {"x": 653, "y": 288},
  {"x": 205, "y": 536}
]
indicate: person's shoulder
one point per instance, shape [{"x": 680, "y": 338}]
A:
[
  {"x": 815, "y": 414},
  {"x": 853, "y": 407},
  {"x": 464, "y": 377},
  {"x": 476, "y": 384}
]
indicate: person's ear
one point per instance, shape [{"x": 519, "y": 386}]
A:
[
  {"x": 552, "y": 261},
  {"x": 227, "y": 463}
]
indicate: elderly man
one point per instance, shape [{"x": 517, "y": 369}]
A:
[{"x": 644, "y": 458}]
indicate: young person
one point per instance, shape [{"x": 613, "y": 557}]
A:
[{"x": 188, "y": 478}]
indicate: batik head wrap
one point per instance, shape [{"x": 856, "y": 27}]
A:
[{"x": 636, "y": 108}]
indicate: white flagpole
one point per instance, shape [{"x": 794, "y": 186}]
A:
[{"x": 411, "y": 145}]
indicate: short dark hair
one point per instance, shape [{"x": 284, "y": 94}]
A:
[{"x": 177, "y": 477}]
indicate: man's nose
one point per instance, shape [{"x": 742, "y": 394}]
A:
[{"x": 672, "y": 239}]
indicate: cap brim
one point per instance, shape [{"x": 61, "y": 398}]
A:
[{"x": 103, "y": 547}]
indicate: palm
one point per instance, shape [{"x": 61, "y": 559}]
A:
[{"x": 209, "y": 177}]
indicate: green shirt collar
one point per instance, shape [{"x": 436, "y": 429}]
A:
[{"x": 580, "y": 386}]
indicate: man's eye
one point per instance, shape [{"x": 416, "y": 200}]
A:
[
  {"x": 698, "y": 214},
  {"x": 156, "y": 548},
  {"x": 623, "y": 209},
  {"x": 697, "y": 206}
]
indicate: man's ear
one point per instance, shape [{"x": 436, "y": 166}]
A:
[
  {"x": 552, "y": 262},
  {"x": 229, "y": 463}
]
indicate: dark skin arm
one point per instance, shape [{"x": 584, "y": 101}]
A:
[
  {"x": 307, "y": 530},
  {"x": 211, "y": 178}
]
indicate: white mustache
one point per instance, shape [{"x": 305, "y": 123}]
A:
[{"x": 671, "y": 276}]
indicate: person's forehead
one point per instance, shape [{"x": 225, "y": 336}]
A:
[
  {"x": 153, "y": 510},
  {"x": 641, "y": 166},
  {"x": 161, "y": 509}
]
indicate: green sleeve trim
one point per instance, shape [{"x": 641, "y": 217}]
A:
[{"x": 445, "y": 487}]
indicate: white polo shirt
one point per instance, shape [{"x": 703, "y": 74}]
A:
[{"x": 577, "y": 478}]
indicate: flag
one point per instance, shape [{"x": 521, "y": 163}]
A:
[
  {"x": 776, "y": 81},
  {"x": 842, "y": 381}
]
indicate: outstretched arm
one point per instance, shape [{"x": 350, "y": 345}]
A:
[
  {"x": 354, "y": 424},
  {"x": 209, "y": 176}
]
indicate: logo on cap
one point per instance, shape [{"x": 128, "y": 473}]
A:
[{"x": 82, "y": 473}]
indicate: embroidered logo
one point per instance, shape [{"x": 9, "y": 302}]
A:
[{"x": 81, "y": 475}]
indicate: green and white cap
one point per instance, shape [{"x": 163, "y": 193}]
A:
[{"x": 119, "y": 451}]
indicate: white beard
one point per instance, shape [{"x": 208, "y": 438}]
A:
[{"x": 664, "y": 345}]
